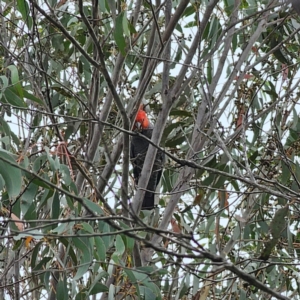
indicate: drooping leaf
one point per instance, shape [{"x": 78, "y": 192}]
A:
[
  {"x": 10, "y": 96},
  {"x": 15, "y": 80},
  {"x": 277, "y": 226},
  {"x": 119, "y": 33},
  {"x": 25, "y": 11},
  {"x": 62, "y": 289},
  {"x": 32, "y": 98},
  {"x": 10, "y": 173},
  {"x": 86, "y": 257}
]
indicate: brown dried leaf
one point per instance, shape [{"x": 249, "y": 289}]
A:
[{"x": 17, "y": 222}]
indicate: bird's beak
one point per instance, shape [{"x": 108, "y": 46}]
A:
[{"x": 138, "y": 126}]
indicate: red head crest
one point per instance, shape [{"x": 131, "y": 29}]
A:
[{"x": 142, "y": 118}]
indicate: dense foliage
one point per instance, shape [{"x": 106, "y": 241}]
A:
[{"x": 221, "y": 84}]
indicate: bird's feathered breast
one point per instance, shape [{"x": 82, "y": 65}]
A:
[
  {"x": 138, "y": 151},
  {"x": 138, "y": 144}
]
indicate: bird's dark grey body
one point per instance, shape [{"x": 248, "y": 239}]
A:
[{"x": 138, "y": 151}]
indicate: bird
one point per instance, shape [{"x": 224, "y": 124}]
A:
[{"x": 138, "y": 151}]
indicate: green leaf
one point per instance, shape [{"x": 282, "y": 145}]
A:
[
  {"x": 213, "y": 28},
  {"x": 234, "y": 42},
  {"x": 81, "y": 271},
  {"x": 146, "y": 281},
  {"x": 181, "y": 113},
  {"x": 105, "y": 228},
  {"x": 125, "y": 24},
  {"x": 11, "y": 175},
  {"x": 4, "y": 80},
  {"x": 39, "y": 163},
  {"x": 277, "y": 226},
  {"x": 2, "y": 183},
  {"x": 146, "y": 269},
  {"x": 82, "y": 295},
  {"x": 178, "y": 140},
  {"x": 129, "y": 242},
  {"x": 133, "y": 280},
  {"x": 87, "y": 227},
  {"x": 41, "y": 183},
  {"x": 66, "y": 176},
  {"x": 15, "y": 79},
  {"x": 98, "y": 288},
  {"x": 62, "y": 290},
  {"x": 131, "y": 28},
  {"x": 297, "y": 171},
  {"x": 30, "y": 213},
  {"x": 120, "y": 246},
  {"x": 86, "y": 257},
  {"x": 100, "y": 276},
  {"x": 243, "y": 295},
  {"x": 54, "y": 163},
  {"x": 13, "y": 98},
  {"x": 71, "y": 252},
  {"x": 146, "y": 293},
  {"x": 278, "y": 223},
  {"x": 286, "y": 173},
  {"x": 183, "y": 290},
  {"x": 209, "y": 71},
  {"x": 55, "y": 211},
  {"x": 94, "y": 207},
  {"x": 35, "y": 254},
  {"x": 100, "y": 248},
  {"x": 189, "y": 10},
  {"x": 102, "y": 5},
  {"x": 32, "y": 98},
  {"x": 42, "y": 264},
  {"x": 229, "y": 5},
  {"x": 118, "y": 33},
  {"x": 4, "y": 127},
  {"x": 24, "y": 10}
]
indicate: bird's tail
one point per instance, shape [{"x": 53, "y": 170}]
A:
[{"x": 148, "y": 202}]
